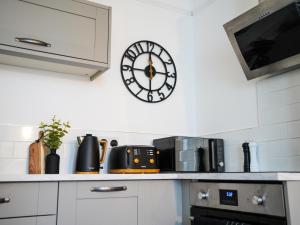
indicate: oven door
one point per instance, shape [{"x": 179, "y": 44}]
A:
[{"x": 209, "y": 216}]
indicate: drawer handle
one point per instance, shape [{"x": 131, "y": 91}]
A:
[
  {"x": 33, "y": 42},
  {"x": 4, "y": 200},
  {"x": 108, "y": 189}
]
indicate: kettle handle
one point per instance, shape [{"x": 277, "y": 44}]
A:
[
  {"x": 103, "y": 143},
  {"x": 79, "y": 139}
]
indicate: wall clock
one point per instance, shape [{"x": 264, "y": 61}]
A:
[{"x": 148, "y": 71}]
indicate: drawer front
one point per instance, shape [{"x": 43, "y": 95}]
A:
[
  {"x": 105, "y": 189},
  {"x": 19, "y": 221},
  {"x": 30, "y": 26},
  {"x": 108, "y": 211},
  {"x": 41, "y": 220},
  {"x": 21, "y": 199}
]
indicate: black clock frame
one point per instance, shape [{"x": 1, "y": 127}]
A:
[{"x": 133, "y": 79}]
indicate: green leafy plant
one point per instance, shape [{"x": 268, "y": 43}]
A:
[{"x": 54, "y": 132}]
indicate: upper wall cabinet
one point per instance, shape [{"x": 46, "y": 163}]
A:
[{"x": 68, "y": 36}]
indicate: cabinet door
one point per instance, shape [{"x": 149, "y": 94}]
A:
[
  {"x": 46, "y": 220},
  {"x": 102, "y": 44},
  {"x": 160, "y": 203},
  {"x": 19, "y": 221},
  {"x": 107, "y": 211},
  {"x": 30, "y": 26},
  {"x": 22, "y": 199}
]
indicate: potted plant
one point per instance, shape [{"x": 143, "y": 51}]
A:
[{"x": 52, "y": 138}]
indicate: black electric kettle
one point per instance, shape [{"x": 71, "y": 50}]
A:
[{"x": 88, "y": 154}]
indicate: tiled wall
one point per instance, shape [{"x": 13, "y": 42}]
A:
[
  {"x": 278, "y": 134},
  {"x": 15, "y": 141}
]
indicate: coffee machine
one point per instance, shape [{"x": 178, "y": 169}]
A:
[{"x": 190, "y": 154}]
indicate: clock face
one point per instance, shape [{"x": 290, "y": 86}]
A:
[{"x": 148, "y": 71}]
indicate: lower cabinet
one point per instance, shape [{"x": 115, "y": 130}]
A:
[
  {"x": 160, "y": 202},
  {"x": 28, "y": 203},
  {"x": 156, "y": 202},
  {"x": 120, "y": 203},
  {"x": 95, "y": 203}
]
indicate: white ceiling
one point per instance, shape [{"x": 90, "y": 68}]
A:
[
  {"x": 189, "y": 7},
  {"x": 181, "y": 6}
]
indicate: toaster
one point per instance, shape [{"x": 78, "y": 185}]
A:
[{"x": 134, "y": 159}]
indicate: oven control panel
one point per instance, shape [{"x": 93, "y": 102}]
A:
[{"x": 259, "y": 198}]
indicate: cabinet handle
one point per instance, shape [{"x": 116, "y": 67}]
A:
[
  {"x": 108, "y": 189},
  {"x": 4, "y": 200},
  {"x": 33, "y": 41}
]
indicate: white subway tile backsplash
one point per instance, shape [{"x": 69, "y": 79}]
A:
[
  {"x": 18, "y": 133},
  {"x": 13, "y": 166},
  {"x": 233, "y": 156},
  {"x": 280, "y": 82},
  {"x": 281, "y": 114},
  {"x": 280, "y": 163},
  {"x": 6, "y": 149},
  {"x": 234, "y": 137},
  {"x": 269, "y": 133},
  {"x": 21, "y": 150},
  {"x": 280, "y": 98},
  {"x": 68, "y": 154},
  {"x": 293, "y": 129},
  {"x": 282, "y": 148}
]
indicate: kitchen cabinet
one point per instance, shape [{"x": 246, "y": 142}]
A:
[
  {"x": 31, "y": 203},
  {"x": 160, "y": 202},
  {"x": 109, "y": 203},
  {"x": 120, "y": 202},
  {"x": 63, "y": 36}
]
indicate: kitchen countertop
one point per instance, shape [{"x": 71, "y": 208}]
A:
[{"x": 273, "y": 176}]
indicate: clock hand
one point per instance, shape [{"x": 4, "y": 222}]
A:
[
  {"x": 157, "y": 72},
  {"x": 151, "y": 67},
  {"x": 150, "y": 84}
]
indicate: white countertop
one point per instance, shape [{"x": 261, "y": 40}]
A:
[{"x": 281, "y": 176}]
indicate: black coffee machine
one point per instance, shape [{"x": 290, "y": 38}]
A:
[
  {"x": 190, "y": 154},
  {"x": 88, "y": 155}
]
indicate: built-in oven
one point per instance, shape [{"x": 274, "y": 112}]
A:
[{"x": 237, "y": 204}]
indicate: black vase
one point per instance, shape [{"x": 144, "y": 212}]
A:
[{"x": 52, "y": 163}]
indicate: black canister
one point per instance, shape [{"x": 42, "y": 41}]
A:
[{"x": 247, "y": 159}]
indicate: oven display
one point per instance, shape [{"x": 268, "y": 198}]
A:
[{"x": 229, "y": 197}]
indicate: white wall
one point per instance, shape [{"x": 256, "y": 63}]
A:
[
  {"x": 104, "y": 107},
  {"x": 29, "y": 96},
  {"x": 225, "y": 99},
  {"x": 266, "y": 111}
]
